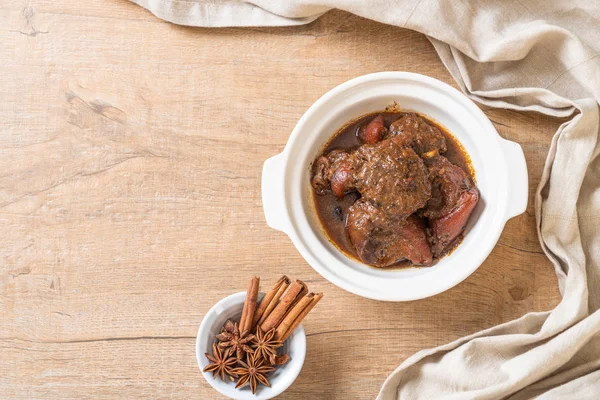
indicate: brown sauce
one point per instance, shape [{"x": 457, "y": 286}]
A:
[{"x": 332, "y": 211}]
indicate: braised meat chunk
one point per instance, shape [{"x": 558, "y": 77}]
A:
[
  {"x": 454, "y": 196},
  {"x": 445, "y": 230},
  {"x": 374, "y": 131},
  {"x": 448, "y": 182},
  {"x": 413, "y": 131},
  {"x": 392, "y": 177},
  {"x": 382, "y": 240},
  {"x": 387, "y": 191},
  {"x": 334, "y": 172}
]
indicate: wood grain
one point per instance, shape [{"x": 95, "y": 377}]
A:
[{"x": 130, "y": 156}]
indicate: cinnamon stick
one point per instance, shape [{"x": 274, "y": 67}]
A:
[
  {"x": 315, "y": 298},
  {"x": 300, "y": 296},
  {"x": 270, "y": 300},
  {"x": 274, "y": 303},
  {"x": 249, "y": 305},
  {"x": 291, "y": 316},
  {"x": 298, "y": 288}
]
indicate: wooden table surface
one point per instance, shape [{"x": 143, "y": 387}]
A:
[{"x": 130, "y": 157}]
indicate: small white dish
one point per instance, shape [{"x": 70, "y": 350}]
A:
[
  {"x": 231, "y": 308},
  {"x": 500, "y": 172}
]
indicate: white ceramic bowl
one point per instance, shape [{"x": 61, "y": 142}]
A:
[
  {"x": 500, "y": 172},
  {"x": 280, "y": 379}
]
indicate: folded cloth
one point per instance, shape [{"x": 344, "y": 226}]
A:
[{"x": 536, "y": 55}]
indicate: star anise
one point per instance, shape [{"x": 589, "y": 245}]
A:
[
  {"x": 221, "y": 363},
  {"x": 265, "y": 346},
  {"x": 252, "y": 371},
  {"x": 231, "y": 338},
  {"x": 228, "y": 326}
]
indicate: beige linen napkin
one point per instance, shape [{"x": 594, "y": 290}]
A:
[{"x": 525, "y": 55}]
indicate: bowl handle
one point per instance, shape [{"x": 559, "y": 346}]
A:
[
  {"x": 273, "y": 193},
  {"x": 517, "y": 178}
]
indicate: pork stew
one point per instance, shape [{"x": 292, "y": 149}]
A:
[{"x": 394, "y": 189}]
